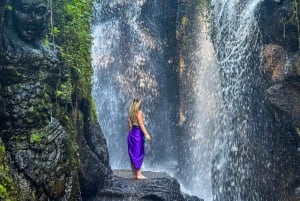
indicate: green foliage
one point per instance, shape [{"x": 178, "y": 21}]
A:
[
  {"x": 184, "y": 21},
  {"x": 296, "y": 14},
  {"x": 93, "y": 112},
  {"x": 294, "y": 19},
  {"x": 72, "y": 32},
  {"x": 55, "y": 31},
  {"x": 8, "y": 190},
  {"x": 35, "y": 136},
  {"x": 63, "y": 93},
  {"x": 47, "y": 42},
  {"x": 64, "y": 118},
  {"x": 8, "y": 7}
]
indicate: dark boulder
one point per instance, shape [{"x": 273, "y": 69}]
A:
[
  {"x": 94, "y": 171},
  {"x": 286, "y": 97},
  {"x": 157, "y": 187}
]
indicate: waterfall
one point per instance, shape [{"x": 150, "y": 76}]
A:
[
  {"x": 199, "y": 100},
  {"x": 242, "y": 165},
  {"x": 130, "y": 59},
  {"x": 223, "y": 147}
]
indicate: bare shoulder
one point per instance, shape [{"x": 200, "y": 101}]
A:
[{"x": 139, "y": 113}]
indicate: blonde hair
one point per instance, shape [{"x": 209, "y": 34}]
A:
[{"x": 134, "y": 107}]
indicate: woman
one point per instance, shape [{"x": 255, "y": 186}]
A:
[{"x": 135, "y": 139}]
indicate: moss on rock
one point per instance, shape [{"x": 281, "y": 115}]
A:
[{"x": 8, "y": 190}]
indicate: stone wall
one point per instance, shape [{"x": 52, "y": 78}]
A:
[{"x": 279, "y": 24}]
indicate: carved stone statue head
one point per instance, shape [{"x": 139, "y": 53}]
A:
[{"x": 29, "y": 18}]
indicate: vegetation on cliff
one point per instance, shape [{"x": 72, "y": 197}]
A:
[
  {"x": 8, "y": 191},
  {"x": 69, "y": 33},
  {"x": 70, "y": 30}
]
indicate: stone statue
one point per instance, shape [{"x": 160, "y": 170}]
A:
[
  {"x": 34, "y": 138},
  {"x": 31, "y": 69},
  {"x": 29, "y": 18}
]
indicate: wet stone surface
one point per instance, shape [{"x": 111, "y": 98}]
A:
[{"x": 158, "y": 186}]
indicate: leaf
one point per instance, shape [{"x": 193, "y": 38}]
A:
[
  {"x": 8, "y": 7},
  {"x": 55, "y": 31}
]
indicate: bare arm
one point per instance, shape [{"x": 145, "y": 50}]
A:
[{"x": 140, "y": 120}]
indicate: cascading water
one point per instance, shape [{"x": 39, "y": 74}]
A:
[
  {"x": 129, "y": 60},
  {"x": 199, "y": 100},
  {"x": 226, "y": 140},
  {"x": 242, "y": 166}
]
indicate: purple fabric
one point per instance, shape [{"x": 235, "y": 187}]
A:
[{"x": 135, "y": 142}]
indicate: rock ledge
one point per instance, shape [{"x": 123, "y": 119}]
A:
[{"x": 158, "y": 186}]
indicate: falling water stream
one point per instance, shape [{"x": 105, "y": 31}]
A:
[
  {"x": 129, "y": 61},
  {"x": 243, "y": 167},
  {"x": 199, "y": 100},
  {"x": 224, "y": 126}
]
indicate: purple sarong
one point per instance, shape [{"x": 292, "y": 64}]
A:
[{"x": 135, "y": 140}]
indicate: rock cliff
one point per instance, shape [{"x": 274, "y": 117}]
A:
[{"x": 279, "y": 24}]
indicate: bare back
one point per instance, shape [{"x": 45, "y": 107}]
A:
[{"x": 133, "y": 119}]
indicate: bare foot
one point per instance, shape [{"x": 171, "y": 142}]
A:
[{"x": 141, "y": 177}]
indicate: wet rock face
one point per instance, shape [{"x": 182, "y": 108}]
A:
[
  {"x": 280, "y": 64},
  {"x": 158, "y": 187},
  {"x": 42, "y": 157},
  {"x": 286, "y": 97},
  {"x": 278, "y": 23},
  {"x": 95, "y": 171},
  {"x": 25, "y": 90}
]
